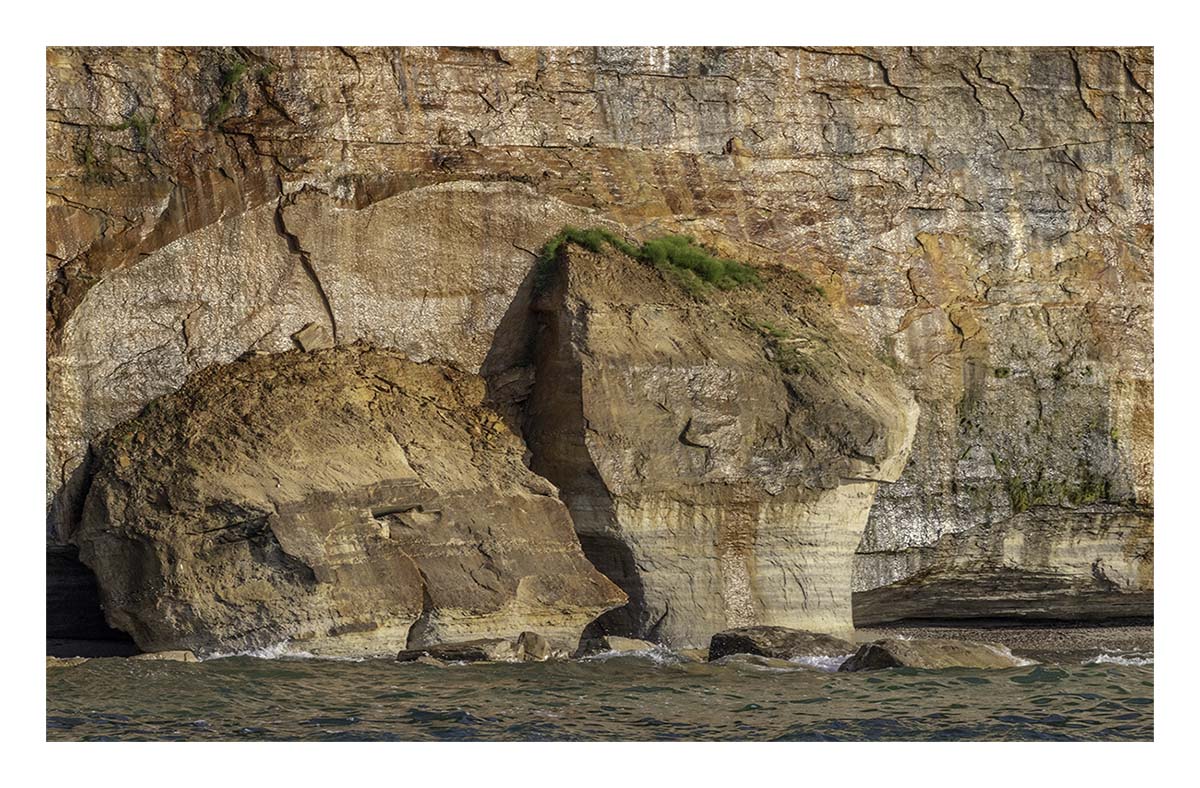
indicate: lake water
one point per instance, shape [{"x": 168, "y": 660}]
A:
[{"x": 651, "y": 697}]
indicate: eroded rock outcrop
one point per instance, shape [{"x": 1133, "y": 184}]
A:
[
  {"x": 777, "y": 643},
  {"x": 438, "y": 273},
  {"x": 983, "y": 214},
  {"x": 930, "y": 654},
  {"x": 347, "y": 501},
  {"x": 719, "y": 456},
  {"x": 1090, "y": 563}
]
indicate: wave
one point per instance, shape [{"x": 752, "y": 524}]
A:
[
  {"x": 1121, "y": 659},
  {"x": 660, "y": 655},
  {"x": 280, "y": 650},
  {"x": 824, "y": 664}
]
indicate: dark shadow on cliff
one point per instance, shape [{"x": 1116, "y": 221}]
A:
[
  {"x": 508, "y": 367},
  {"x": 75, "y": 624},
  {"x": 536, "y": 389}
]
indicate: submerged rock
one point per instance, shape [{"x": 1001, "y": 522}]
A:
[
  {"x": 592, "y": 644},
  {"x": 931, "y": 654},
  {"x": 777, "y": 642},
  {"x": 481, "y": 650},
  {"x": 719, "y": 456},
  {"x": 348, "y": 501}
]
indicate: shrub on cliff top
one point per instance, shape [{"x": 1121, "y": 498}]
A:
[{"x": 678, "y": 256}]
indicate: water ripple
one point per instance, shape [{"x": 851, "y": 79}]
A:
[{"x": 630, "y": 699}]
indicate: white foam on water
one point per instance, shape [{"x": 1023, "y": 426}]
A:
[
  {"x": 280, "y": 650},
  {"x": 1121, "y": 659},
  {"x": 825, "y": 664},
  {"x": 1005, "y": 651},
  {"x": 660, "y": 655}
]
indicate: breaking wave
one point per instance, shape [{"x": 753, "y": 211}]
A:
[
  {"x": 280, "y": 650},
  {"x": 1121, "y": 659},
  {"x": 826, "y": 664},
  {"x": 659, "y": 655}
]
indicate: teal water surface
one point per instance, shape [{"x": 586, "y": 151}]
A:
[{"x": 615, "y": 699}]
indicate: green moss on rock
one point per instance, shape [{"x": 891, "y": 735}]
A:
[{"x": 678, "y": 257}]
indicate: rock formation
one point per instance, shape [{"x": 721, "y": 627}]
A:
[
  {"x": 1090, "y": 564},
  {"x": 930, "y": 654},
  {"x": 346, "y": 501},
  {"x": 983, "y": 216},
  {"x": 719, "y": 455},
  {"x": 777, "y": 643}
]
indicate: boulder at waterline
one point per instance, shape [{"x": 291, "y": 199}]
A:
[
  {"x": 533, "y": 647},
  {"x": 719, "y": 455},
  {"x": 777, "y": 642},
  {"x": 931, "y": 654},
  {"x": 481, "y": 650},
  {"x": 346, "y": 501}
]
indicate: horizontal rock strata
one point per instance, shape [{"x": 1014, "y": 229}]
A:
[
  {"x": 1093, "y": 563},
  {"x": 983, "y": 214},
  {"x": 719, "y": 456}
]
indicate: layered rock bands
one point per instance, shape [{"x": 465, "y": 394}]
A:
[{"x": 982, "y": 218}]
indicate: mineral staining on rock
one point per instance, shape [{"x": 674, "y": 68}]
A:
[
  {"x": 719, "y": 456},
  {"x": 432, "y": 273},
  {"x": 347, "y": 501},
  {"x": 983, "y": 216}
]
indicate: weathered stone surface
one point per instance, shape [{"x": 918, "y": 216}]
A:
[
  {"x": 167, "y": 656},
  {"x": 985, "y": 214},
  {"x": 347, "y": 501},
  {"x": 313, "y": 336},
  {"x": 1092, "y": 563},
  {"x": 533, "y": 647},
  {"x": 719, "y": 457},
  {"x": 932, "y": 654},
  {"x": 625, "y": 645},
  {"x": 481, "y": 650},
  {"x": 777, "y": 642},
  {"x": 436, "y": 276}
]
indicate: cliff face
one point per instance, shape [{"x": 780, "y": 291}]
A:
[
  {"x": 719, "y": 456},
  {"x": 983, "y": 215}
]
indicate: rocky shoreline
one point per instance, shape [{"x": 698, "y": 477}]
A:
[
  {"x": 348, "y": 353},
  {"x": 871, "y": 649}
]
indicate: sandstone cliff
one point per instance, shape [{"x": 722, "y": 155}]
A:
[
  {"x": 347, "y": 501},
  {"x": 720, "y": 454},
  {"x": 983, "y": 215}
]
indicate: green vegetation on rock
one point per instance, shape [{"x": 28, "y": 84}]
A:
[
  {"x": 678, "y": 257},
  {"x": 231, "y": 77},
  {"x": 1087, "y": 488},
  {"x": 97, "y": 167},
  {"x": 141, "y": 125}
]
